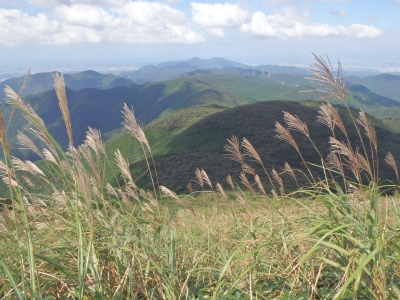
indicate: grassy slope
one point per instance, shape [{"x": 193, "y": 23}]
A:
[{"x": 200, "y": 144}]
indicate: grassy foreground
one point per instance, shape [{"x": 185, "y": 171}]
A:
[{"x": 65, "y": 233}]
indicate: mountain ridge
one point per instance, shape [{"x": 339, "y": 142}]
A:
[{"x": 41, "y": 82}]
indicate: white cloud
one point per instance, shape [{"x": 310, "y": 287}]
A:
[
  {"x": 216, "y": 31},
  {"x": 172, "y": 2},
  {"x": 364, "y": 31},
  {"x": 86, "y": 16},
  {"x": 111, "y": 3},
  {"x": 17, "y": 27},
  {"x": 155, "y": 22},
  {"x": 397, "y": 2},
  {"x": 341, "y": 13},
  {"x": 136, "y": 22},
  {"x": 218, "y": 15},
  {"x": 284, "y": 24}
]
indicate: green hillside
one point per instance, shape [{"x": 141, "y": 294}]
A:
[
  {"x": 387, "y": 85},
  {"x": 42, "y": 82},
  {"x": 262, "y": 88},
  {"x": 181, "y": 145}
]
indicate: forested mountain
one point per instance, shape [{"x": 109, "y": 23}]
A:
[{"x": 41, "y": 82}]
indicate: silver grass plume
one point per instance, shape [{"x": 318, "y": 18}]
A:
[{"x": 59, "y": 86}]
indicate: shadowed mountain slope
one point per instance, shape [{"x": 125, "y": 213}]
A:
[{"x": 200, "y": 143}]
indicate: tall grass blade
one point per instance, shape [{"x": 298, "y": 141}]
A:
[{"x": 13, "y": 283}]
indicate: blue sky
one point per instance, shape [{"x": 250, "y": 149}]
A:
[{"x": 55, "y": 33}]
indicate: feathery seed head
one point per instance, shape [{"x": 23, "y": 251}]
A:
[
  {"x": 167, "y": 192},
  {"x": 28, "y": 144},
  {"x": 229, "y": 180},
  {"x": 220, "y": 189},
  {"x": 246, "y": 182},
  {"x": 284, "y": 134},
  {"x": 206, "y": 179},
  {"x": 233, "y": 149},
  {"x": 259, "y": 184},
  {"x": 133, "y": 127},
  {"x": 59, "y": 87},
  {"x": 294, "y": 123},
  {"x": 369, "y": 129},
  {"x": 249, "y": 150},
  {"x": 332, "y": 86},
  {"x": 392, "y": 162}
]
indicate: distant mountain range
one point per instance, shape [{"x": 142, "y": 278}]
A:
[
  {"x": 41, "y": 82},
  {"x": 101, "y": 109},
  {"x": 170, "y": 70}
]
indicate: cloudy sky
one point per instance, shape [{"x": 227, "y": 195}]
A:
[{"x": 129, "y": 32}]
